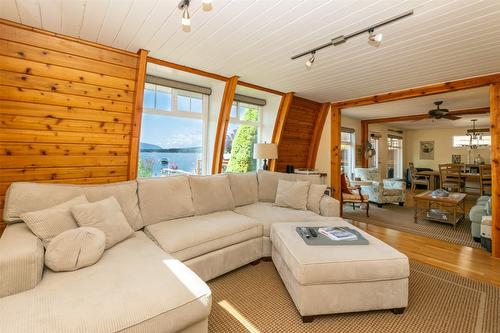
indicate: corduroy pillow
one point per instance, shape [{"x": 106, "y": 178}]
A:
[
  {"x": 75, "y": 249},
  {"x": 50, "y": 222},
  {"x": 105, "y": 215}
]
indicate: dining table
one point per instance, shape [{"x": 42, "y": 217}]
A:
[{"x": 471, "y": 178}]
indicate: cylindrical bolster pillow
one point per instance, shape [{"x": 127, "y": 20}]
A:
[{"x": 74, "y": 249}]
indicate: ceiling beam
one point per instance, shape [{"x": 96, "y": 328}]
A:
[
  {"x": 257, "y": 87},
  {"x": 426, "y": 116},
  {"x": 187, "y": 69},
  {"x": 438, "y": 88}
]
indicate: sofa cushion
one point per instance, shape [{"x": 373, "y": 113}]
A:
[
  {"x": 244, "y": 187},
  {"x": 194, "y": 236},
  {"x": 105, "y": 215},
  {"x": 135, "y": 286},
  {"x": 268, "y": 182},
  {"x": 25, "y": 197},
  {"x": 50, "y": 222},
  {"x": 266, "y": 213},
  {"x": 165, "y": 198},
  {"x": 292, "y": 194},
  {"x": 316, "y": 192},
  {"x": 391, "y": 192},
  {"x": 211, "y": 194},
  {"x": 75, "y": 249}
]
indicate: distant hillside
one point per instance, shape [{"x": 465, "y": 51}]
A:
[{"x": 145, "y": 145}]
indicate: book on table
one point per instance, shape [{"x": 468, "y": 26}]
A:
[{"x": 338, "y": 233}]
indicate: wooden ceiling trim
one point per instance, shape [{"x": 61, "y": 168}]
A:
[
  {"x": 142, "y": 62},
  {"x": 438, "y": 88},
  {"x": 316, "y": 136},
  {"x": 426, "y": 116},
  {"x": 187, "y": 69},
  {"x": 222, "y": 123},
  {"x": 279, "y": 124},
  {"x": 495, "y": 166},
  {"x": 257, "y": 87}
]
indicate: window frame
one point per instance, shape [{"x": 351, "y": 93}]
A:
[{"x": 352, "y": 151}]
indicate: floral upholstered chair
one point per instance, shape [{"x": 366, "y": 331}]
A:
[{"x": 381, "y": 191}]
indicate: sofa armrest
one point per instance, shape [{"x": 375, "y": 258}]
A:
[
  {"x": 329, "y": 206},
  {"x": 21, "y": 260},
  {"x": 394, "y": 184}
]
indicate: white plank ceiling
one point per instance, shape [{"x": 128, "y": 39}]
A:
[{"x": 444, "y": 40}]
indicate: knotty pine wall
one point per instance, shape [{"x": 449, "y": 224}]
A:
[
  {"x": 66, "y": 109},
  {"x": 296, "y": 140}
]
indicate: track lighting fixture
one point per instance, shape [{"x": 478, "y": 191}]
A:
[
  {"x": 373, "y": 39},
  {"x": 186, "y": 18},
  {"x": 206, "y": 5},
  {"x": 310, "y": 61}
]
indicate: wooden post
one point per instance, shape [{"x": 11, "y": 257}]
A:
[
  {"x": 364, "y": 141},
  {"x": 279, "y": 124},
  {"x": 224, "y": 115},
  {"x": 137, "y": 113},
  {"x": 336, "y": 153},
  {"x": 495, "y": 167},
  {"x": 316, "y": 135}
]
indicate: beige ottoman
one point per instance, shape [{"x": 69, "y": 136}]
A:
[{"x": 342, "y": 278}]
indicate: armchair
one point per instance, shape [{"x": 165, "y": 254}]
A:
[{"x": 381, "y": 191}]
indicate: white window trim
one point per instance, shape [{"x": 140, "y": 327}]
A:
[{"x": 352, "y": 147}]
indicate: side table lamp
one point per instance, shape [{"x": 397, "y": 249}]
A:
[{"x": 265, "y": 151}]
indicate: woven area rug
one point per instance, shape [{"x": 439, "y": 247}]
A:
[
  {"x": 253, "y": 299},
  {"x": 401, "y": 218}
]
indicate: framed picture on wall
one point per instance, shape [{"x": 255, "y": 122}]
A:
[
  {"x": 456, "y": 159},
  {"x": 426, "y": 150}
]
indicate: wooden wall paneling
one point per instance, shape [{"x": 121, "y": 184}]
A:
[
  {"x": 364, "y": 142},
  {"x": 335, "y": 153},
  {"x": 66, "y": 109},
  {"x": 142, "y": 62},
  {"x": 438, "y": 88},
  {"x": 279, "y": 124},
  {"x": 222, "y": 123},
  {"x": 316, "y": 137},
  {"x": 495, "y": 166}
]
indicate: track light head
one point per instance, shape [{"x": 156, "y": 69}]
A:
[
  {"x": 374, "y": 39},
  {"x": 186, "y": 19},
  {"x": 206, "y": 5},
  {"x": 310, "y": 61}
]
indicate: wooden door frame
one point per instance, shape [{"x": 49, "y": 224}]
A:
[{"x": 491, "y": 80}]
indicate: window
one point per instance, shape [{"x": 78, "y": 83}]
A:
[
  {"x": 394, "y": 157},
  {"x": 347, "y": 150},
  {"x": 373, "y": 159},
  {"x": 242, "y": 132},
  {"x": 173, "y": 133},
  {"x": 464, "y": 141}
]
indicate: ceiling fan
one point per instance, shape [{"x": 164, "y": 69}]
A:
[{"x": 439, "y": 113}]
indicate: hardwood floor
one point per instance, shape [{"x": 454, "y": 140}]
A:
[{"x": 473, "y": 263}]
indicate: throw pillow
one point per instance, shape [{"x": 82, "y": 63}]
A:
[
  {"x": 292, "y": 194},
  {"x": 50, "y": 222},
  {"x": 105, "y": 215},
  {"x": 75, "y": 249},
  {"x": 211, "y": 194},
  {"x": 316, "y": 192}
]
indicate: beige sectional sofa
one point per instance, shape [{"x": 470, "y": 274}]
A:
[{"x": 187, "y": 230}]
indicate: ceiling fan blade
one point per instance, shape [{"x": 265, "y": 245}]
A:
[{"x": 452, "y": 117}]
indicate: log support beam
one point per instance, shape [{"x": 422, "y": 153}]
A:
[
  {"x": 335, "y": 153},
  {"x": 495, "y": 166},
  {"x": 137, "y": 113},
  {"x": 222, "y": 123},
  {"x": 279, "y": 124},
  {"x": 316, "y": 135}
]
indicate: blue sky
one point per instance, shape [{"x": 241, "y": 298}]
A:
[{"x": 171, "y": 132}]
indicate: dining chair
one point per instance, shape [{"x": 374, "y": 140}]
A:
[
  {"x": 451, "y": 177},
  {"x": 418, "y": 179},
  {"x": 485, "y": 178}
]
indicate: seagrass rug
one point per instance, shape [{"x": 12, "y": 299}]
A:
[
  {"x": 254, "y": 299},
  {"x": 401, "y": 218}
]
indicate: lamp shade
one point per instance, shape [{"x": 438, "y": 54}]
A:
[{"x": 265, "y": 151}]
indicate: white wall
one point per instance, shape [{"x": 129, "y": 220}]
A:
[
  {"x": 443, "y": 147},
  {"x": 269, "y": 114}
]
